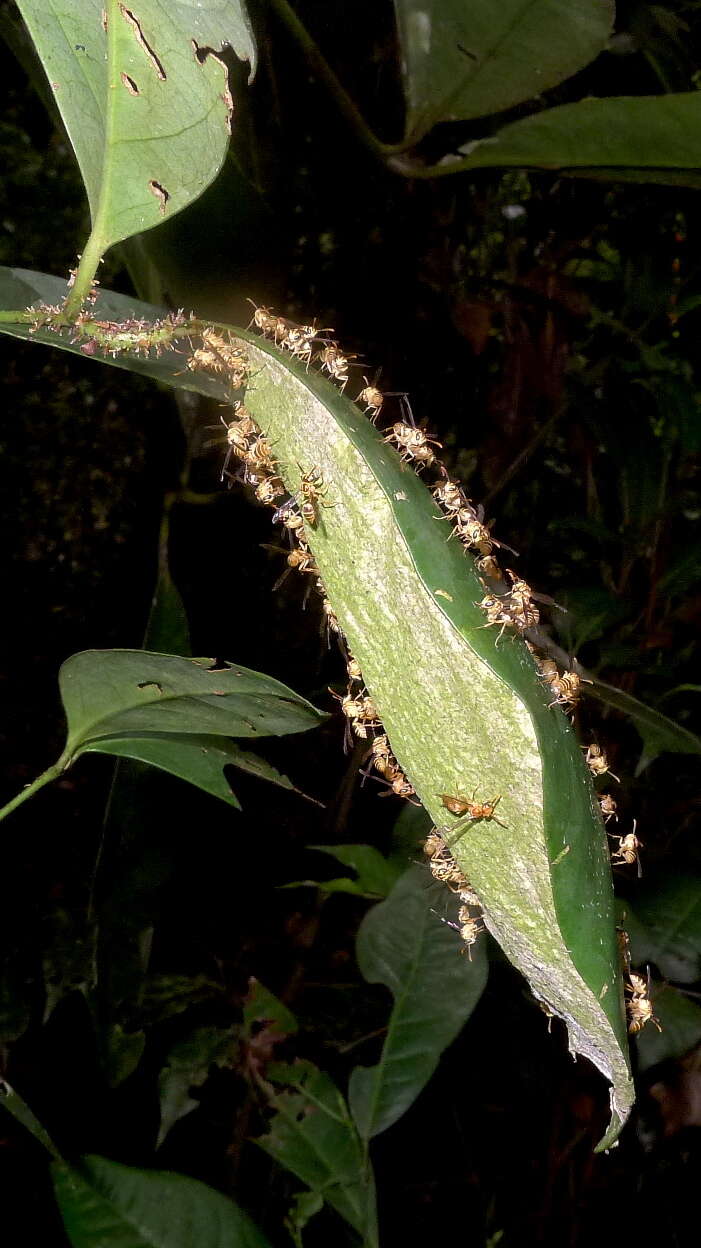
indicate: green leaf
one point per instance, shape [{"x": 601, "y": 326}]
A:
[
  {"x": 312, "y": 1134},
  {"x": 669, "y": 909},
  {"x": 657, "y": 133},
  {"x": 680, "y": 1020},
  {"x": 376, "y": 875},
  {"x": 122, "y": 693},
  {"x": 198, "y": 759},
  {"x": 261, "y": 1006},
  {"x": 107, "y": 1205},
  {"x": 659, "y": 733},
  {"x": 121, "y": 1053},
  {"x": 187, "y": 1066},
  {"x": 466, "y": 58},
  {"x": 404, "y": 945},
  {"x": 401, "y": 591},
  {"x": 148, "y": 117}
]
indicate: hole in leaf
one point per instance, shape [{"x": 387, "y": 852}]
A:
[
  {"x": 162, "y": 195},
  {"x": 142, "y": 42},
  {"x": 129, "y": 84}
]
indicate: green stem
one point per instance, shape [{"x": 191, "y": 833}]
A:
[
  {"x": 85, "y": 273},
  {"x": 326, "y": 75},
  {"x": 17, "y": 316},
  {"x": 51, "y": 773}
]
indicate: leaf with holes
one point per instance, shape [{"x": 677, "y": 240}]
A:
[{"x": 144, "y": 99}]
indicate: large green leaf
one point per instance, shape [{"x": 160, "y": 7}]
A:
[
  {"x": 464, "y": 712},
  {"x": 122, "y": 693},
  {"x": 403, "y": 944},
  {"x": 467, "y": 58},
  {"x": 656, "y": 133},
  {"x": 148, "y": 117},
  {"x": 312, "y": 1134},
  {"x": 107, "y": 1205}
]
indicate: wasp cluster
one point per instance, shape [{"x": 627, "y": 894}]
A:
[
  {"x": 509, "y": 602},
  {"x": 133, "y": 335},
  {"x": 445, "y": 869}
]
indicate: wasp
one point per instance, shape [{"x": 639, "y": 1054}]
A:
[
  {"x": 269, "y": 490},
  {"x": 608, "y": 807},
  {"x": 596, "y": 761},
  {"x": 472, "y": 532},
  {"x": 312, "y": 493},
  {"x": 335, "y": 363},
  {"x": 353, "y": 668},
  {"x": 627, "y": 851},
  {"x": 263, "y": 319},
  {"x": 639, "y": 1006},
  {"x": 301, "y": 559},
  {"x": 489, "y": 567},
  {"x": 497, "y": 611},
  {"x": 360, "y": 712},
  {"x": 566, "y": 687},
  {"x": 458, "y": 805},
  {"x": 372, "y": 398},
  {"x": 451, "y": 496},
  {"x": 260, "y": 454},
  {"x": 468, "y": 927},
  {"x": 332, "y": 624},
  {"x": 234, "y": 358},
  {"x": 413, "y": 442}
]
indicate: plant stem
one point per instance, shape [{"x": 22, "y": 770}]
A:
[
  {"x": 51, "y": 773},
  {"x": 85, "y": 273},
  {"x": 326, "y": 75}
]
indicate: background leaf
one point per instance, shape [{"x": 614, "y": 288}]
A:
[
  {"x": 667, "y": 924},
  {"x": 660, "y": 134},
  {"x": 375, "y": 874},
  {"x": 404, "y": 945},
  {"x": 312, "y": 1134},
  {"x": 680, "y": 1020},
  {"x": 199, "y": 759},
  {"x": 140, "y": 107},
  {"x": 123, "y": 692},
  {"x": 107, "y": 1205},
  {"x": 467, "y": 58},
  {"x": 187, "y": 1066}
]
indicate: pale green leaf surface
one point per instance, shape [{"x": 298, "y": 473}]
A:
[
  {"x": 404, "y": 945},
  {"x": 312, "y": 1134},
  {"x": 653, "y": 132},
  {"x": 140, "y": 108},
  {"x": 117, "y": 693},
  {"x": 475, "y": 718},
  {"x": 467, "y": 58},
  {"x": 107, "y": 1205}
]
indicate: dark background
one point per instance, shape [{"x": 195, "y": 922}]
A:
[{"x": 541, "y": 327}]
